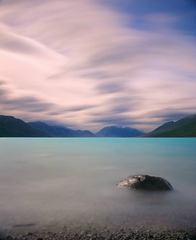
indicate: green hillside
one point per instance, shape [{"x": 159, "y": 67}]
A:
[
  {"x": 185, "y": 131},
  {"x": 185, "y": 127}
]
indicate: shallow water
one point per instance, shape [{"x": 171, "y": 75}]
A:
[{"x": 56, "y": 181}]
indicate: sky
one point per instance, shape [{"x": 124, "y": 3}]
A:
[{"x": 94, "y": 63}]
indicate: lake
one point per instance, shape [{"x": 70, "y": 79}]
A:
[{"x": 58, "y": 181}]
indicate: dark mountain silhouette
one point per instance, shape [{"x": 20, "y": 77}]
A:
[
  {"x": 185, "y": 127},
  {"x": 113, "y": 131},
  {"x": 59, "y": 131},
  {"x": 13, "y": 127}
]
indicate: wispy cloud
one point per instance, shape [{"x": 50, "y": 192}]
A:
[{"x": 80, "y": 64}]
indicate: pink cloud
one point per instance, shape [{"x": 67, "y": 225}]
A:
[{"x": 77, "y": 63}]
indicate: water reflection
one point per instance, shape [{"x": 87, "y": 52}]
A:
[{"x": 152, "y": 197}]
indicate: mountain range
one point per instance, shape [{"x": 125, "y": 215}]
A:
[{"x": 13, "y": 127}]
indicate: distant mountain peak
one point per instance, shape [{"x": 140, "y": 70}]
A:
[{"x": 114, "y": 131}]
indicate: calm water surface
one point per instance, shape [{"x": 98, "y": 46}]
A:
[{"x": 62, "y": 180}]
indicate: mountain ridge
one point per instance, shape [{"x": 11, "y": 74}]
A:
[
  {"x": 14, "y": 127},
  {"x": 59, "y": 131},
  {"x": 184, "y": 127}
]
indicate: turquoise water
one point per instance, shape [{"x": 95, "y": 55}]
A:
[{"x": 56, "y": 181}]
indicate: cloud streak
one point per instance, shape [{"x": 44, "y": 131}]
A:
[{"x": 86, "y": 68}]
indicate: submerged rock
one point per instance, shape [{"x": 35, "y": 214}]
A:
[{"x": 145, "y": 182}]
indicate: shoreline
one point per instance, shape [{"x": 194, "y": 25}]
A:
[{"x": 93, "y": 233}]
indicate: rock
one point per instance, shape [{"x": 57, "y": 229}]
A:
[{"x": 145, "y": 182}]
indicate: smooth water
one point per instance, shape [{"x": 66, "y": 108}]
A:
[{"x": 48, "y": 181}]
